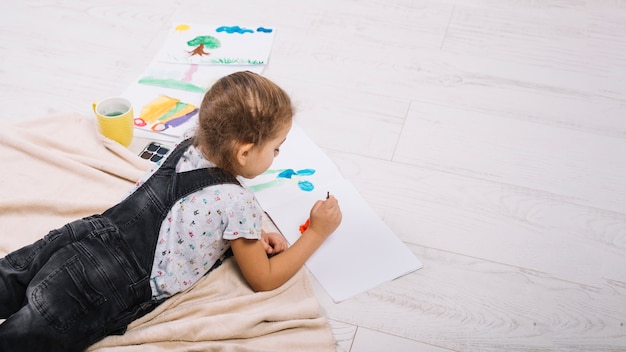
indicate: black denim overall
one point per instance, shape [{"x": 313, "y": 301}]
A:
[{"x": 90, "y": 278}]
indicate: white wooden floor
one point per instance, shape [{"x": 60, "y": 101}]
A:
[{"x": 489, "y": 135}]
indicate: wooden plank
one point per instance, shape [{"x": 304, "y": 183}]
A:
[
  {"x": 468, "y": 304},
  {"x": 494, "y": 221},
  {"x": 95, "y": 53},
  {"x": 587, "y": 168},
  {"x": 363, "y": 124},
  {"x": 367, "y": 340},
  {"x": 569, "y": 37}
]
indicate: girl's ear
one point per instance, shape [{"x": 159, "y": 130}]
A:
[{"x": 242, "y": 153}]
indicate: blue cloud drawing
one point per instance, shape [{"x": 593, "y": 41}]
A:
[{"x": 234, "y": 29}]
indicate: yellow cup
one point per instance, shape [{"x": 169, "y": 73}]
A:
[{"x": 115, "y": 119}]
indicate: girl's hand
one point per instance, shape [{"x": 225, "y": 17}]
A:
[
  {"x": 325, "y": 217},
  {"x": 265, "y": 273},
  {"x": 273, "y": 242}
]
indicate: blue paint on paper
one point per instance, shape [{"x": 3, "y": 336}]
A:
[
  {"x": 264, "y": 30},
  {"x": 284, "y": 175},
  {"x": 306, "y": 186},
  {"x": 234, "y": 29},
  {"x": 288, "y": 173},
  {"x": 305, "y": 172}
]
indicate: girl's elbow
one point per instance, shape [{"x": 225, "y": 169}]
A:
[{"x": 262, "y": 286}]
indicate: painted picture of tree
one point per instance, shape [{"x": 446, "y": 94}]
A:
[{"x": 201, "y": 42}]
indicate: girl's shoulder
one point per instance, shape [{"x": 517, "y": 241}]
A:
[{"x": 192, "y": 159}]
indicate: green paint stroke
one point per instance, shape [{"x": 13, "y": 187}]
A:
[
  {"x": 173, "y": 111},
  {"x": 267, "y": 185},
  {"x": 235, "y": 61},
  {"x": 171, "y": 83},
  {"x": 273, "y": 171}
]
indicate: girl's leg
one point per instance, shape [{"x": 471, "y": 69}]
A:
[
  {"x": 36, "y": 289},
  {"x": 89, "y": 288},
  {"x": 18, "y": 268},
  {"x": 26, "y": 330}
]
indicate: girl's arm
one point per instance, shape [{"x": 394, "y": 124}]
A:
[
  {"x": 273, "y": 242},
  {"x": 263, "y": 273}
]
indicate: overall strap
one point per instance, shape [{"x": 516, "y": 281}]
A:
[
  {"x": 184, "y": 183},
  {"x": 139, "y": 216},
  {"x": 171, "y": 160}
]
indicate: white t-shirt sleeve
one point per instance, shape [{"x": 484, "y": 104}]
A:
[{"x": 244, "y": 217}]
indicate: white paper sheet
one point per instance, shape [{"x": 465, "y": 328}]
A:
[
  {"x": 363, "y": 252},
  {"x": 217, "y": 44}
]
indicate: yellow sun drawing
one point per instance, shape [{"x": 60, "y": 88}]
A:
[{"x": 182, "y": 27}]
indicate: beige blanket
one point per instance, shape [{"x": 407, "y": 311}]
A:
[{"x": 58, "y": 169}]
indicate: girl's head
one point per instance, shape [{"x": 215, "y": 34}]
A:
[{"x": 243, "y": 119}]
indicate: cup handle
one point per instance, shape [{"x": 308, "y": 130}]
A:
[{"x": 93, "y": 105}]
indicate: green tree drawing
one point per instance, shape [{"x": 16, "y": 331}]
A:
[{"x": 202, "y": 41}]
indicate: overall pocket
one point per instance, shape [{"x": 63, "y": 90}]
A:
[
  {"x": 99, "y": 281},
  {"x": 115, "y": 269},
  {"x": 66, "y": 294}
]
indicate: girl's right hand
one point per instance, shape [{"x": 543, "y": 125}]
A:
[
  {"x": 265, "y": 273},
  {"x": 325, "y": 217}
]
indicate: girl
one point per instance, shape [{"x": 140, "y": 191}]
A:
[{"x": 94, "y": 276}]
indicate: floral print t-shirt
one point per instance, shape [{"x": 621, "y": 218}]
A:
[{"x": 197, "y": 229}]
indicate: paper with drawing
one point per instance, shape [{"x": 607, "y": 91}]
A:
[
  {"x": 217, "y": 44},
  {"x": 165, "y": 112},
  {"x": 167, "y": 96},
  {"x": 363, "y": 252}
]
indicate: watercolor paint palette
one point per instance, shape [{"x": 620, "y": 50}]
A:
[{"x": 155, "y": 151}]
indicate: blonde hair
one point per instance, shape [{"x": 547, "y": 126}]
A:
[{"x": 240, "y": 108}]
